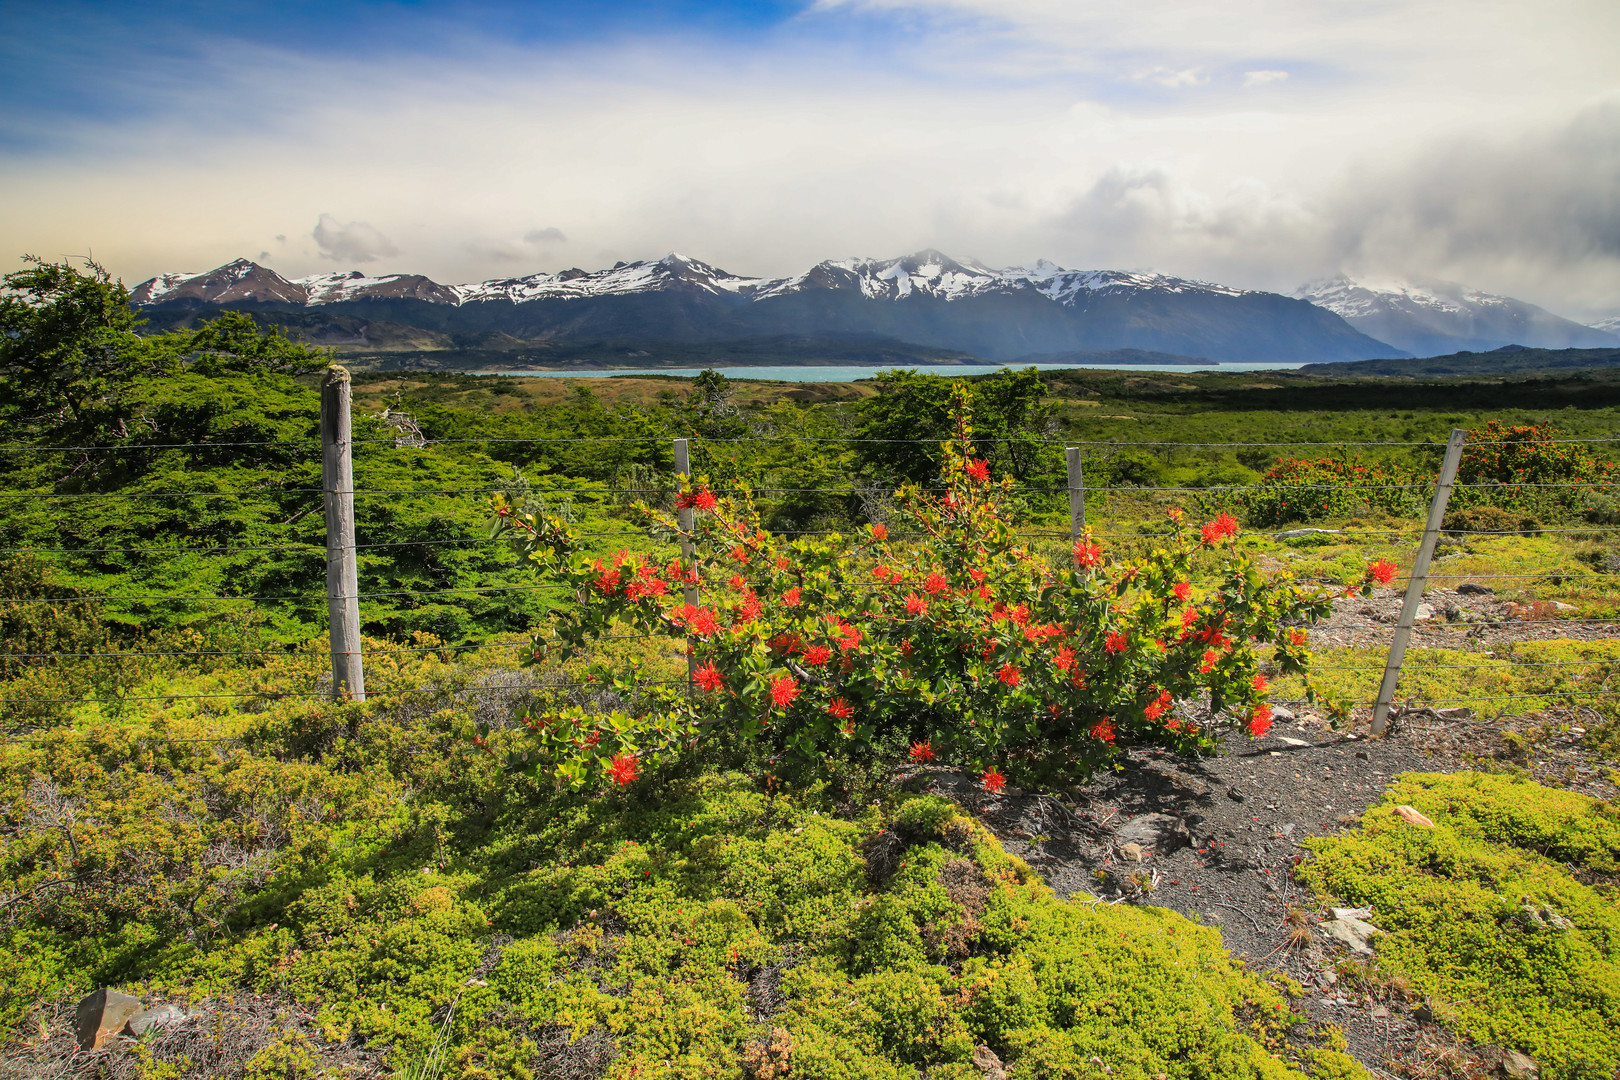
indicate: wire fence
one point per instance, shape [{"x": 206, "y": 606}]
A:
[{"x": 1457, "y": 630}]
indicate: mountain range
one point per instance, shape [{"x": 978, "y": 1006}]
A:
[{"x": 946, "y": 309}]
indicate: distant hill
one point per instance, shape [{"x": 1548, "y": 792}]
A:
[
  {"x": 924, "y": 300},
  {"x": 1508, "y": 360},
  {"x": 1442, "y": 319}
]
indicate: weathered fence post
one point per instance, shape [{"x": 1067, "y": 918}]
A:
[
  {"x": 342, "y": 576},
  {"x": 687, "y": 519},
  {"x": 1077, "y": 494},
  {"x": 1414, "y": 585}
]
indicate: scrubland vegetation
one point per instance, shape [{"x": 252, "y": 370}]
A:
[{"x": 183, "y": 814}]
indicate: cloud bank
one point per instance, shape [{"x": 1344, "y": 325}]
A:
[{"x": 1260, "y": 143}]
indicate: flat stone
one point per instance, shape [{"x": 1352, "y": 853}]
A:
[
  {"x": 157, "y": 1016},
  {"x": 1286, "y": 741},
  {"x": 1353, "y": 933},
  {"x": 100, "y": 1014},
  {"x": 1282, "y": 715},
  {"x": 1469, "y": 588},
  {"x": 1158, "y": 833},
  {"x": 1425, "y": 612},
  {"x": 1559, "y": 605},
  {"x": 1520, "y": 1066}
]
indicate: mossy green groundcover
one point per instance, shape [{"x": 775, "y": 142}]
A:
[
  {"x": 368, "y": 861},
  {"x": 1505, "y": 912}
]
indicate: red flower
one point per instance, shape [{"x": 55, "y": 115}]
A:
[
  {"x": 703, "y": 623},
  {"x": 993, "y": 780},
  {"x": 1182, "y": 590},
  {"x": 705, "y": 500},
  {"x": 922, "y": 751},
  {"x": 916, "y": 605},
  {"x": 1087, "y": 554},
  {"x": 737, "y": 581},
  {"x": 852, "y": 639},
  {"x": 1104, "y": 730},
  {"x": 880, "y": 531},
  {"x": 1188, "y": 617},
  {"x": 740, "y": 553},
  {"x": 1382, "y": 571},
  {"x": 1116, "y": 642},
  {"x": 1009, "y": 675},
  {"x": 1064, "y": 659},
  {"x": 816, "y": 655},
  {"x": 840, "y": 708},
  {"x": 1260, "y": 683},
  {"x": 782, "y": 563},
  {"x": 881, "y": 572},
  {"x": 623, "y": 768},
  {"x": 979, "y": 470},
  {"x": 1209, "y": 661},
  {"x": 1260, "y": 720},
  {"x": 936, "y": 582},
  {"x": 1161, "y": 703},
  {"x": 977, "y": 576},
  {"x": 906, "y": 648},
  {"x": 791, "y": 597},
  {"x": 1019, "y": 614},
  {"x": 751, "y": 609},
  {"x": 1222, "y": 527},
  {"x": 708, "y": 677},
  {"x": 784, "y": 690},
  {"x": 1296, "y": 637}
]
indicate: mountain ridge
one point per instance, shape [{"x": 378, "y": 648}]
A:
[
  {"x": 1443, "y": 318},
  {"x": 926, "y": 298}
]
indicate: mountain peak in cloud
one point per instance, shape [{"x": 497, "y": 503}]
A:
[{"x": 1435, "y": 318}]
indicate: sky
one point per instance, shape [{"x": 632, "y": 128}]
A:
[{"x": 1259, "y": 143}]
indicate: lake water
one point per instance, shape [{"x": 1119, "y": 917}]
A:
[{"x": 849, "y": 373}]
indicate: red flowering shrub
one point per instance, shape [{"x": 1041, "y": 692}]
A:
[
  {"x": 1525, "y": 468},
  {"x": 961, "y": 643},
  {"x": 1298, "y": 489}
]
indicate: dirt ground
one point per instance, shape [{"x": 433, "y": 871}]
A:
[{"x": 1224, "y": 834}]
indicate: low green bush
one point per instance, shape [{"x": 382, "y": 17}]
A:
[{"x": 1505, "y": 910}]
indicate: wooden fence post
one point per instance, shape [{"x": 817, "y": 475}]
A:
[
  {"x": 1077, "y": 494},
  {"x": 687, "y": 519},
  {"x": 342, "y": 576},
  {"x": 1415, "y": 584}
]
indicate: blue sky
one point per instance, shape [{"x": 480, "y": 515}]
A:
[{"x": 1259, "y": 142}]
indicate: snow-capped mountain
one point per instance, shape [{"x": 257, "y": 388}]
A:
[
  {"x": 1611, "y": 325},
  {"x": 925, "y": 299},
  {"x": 1434, "y": 320}
]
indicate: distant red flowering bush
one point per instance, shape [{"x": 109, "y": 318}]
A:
[{"x": 961, "y": 643}]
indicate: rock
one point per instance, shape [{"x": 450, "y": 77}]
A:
[
  {"x": 1453, "y": 613},
  {"x": 1157, "y": 833},
  {"x": 1461, "y": 712},
  {"x": 1412, "y": 817},
  {"x": 1353, "y": 933},
  {"x": 1520, "y": 1066},
  {"x": 1282, "y": 715},
  {"x": 100, "y": 1013},
  {"x": 1559, "y": 605},
  {"x": 1311, "y": 720},
  {"x": 1351, "y": 912},
  {"x": 1236, "y": 794},
  {"x": 1468, "y": 588},
  {"x": 985, "y": 1059},
  {"x": 1363, "y": 755},
  {"x": 1541, "y": 917},
  {"x": 1286, "y": 741},
  {"x": 1132, "y": 851},
  {"x": 1378, "y": 1012},
  {"x": 1425, "y": 612},
  {"x": 155, "y": 1017}
]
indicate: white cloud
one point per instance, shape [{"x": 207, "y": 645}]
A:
[
  {"x": 1263, "y": 77},
  {"x": 352, "y": 242}
]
